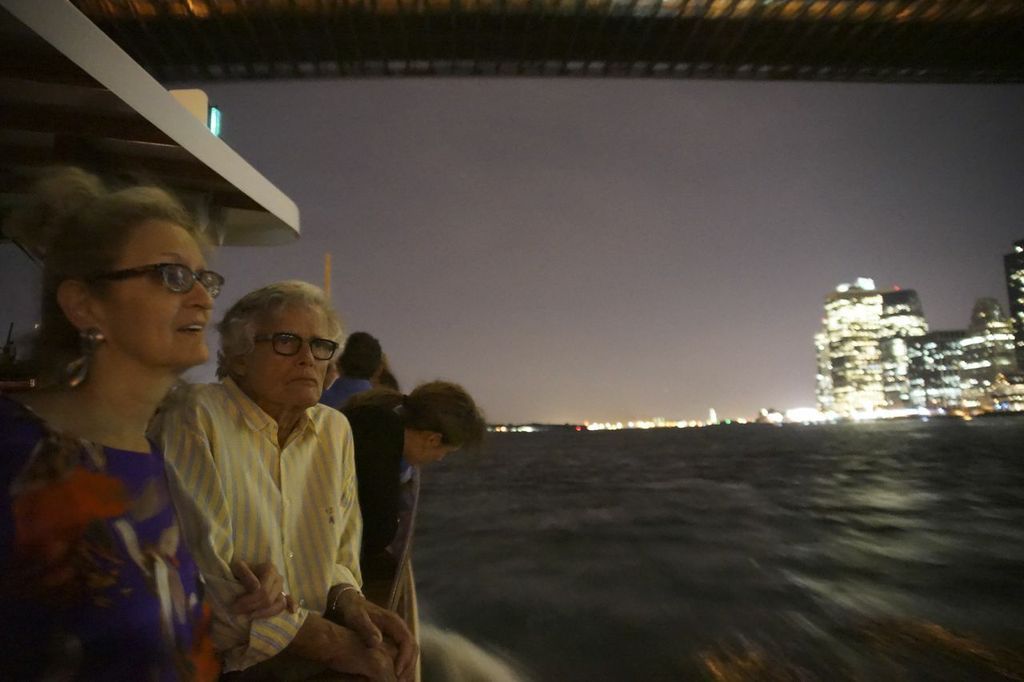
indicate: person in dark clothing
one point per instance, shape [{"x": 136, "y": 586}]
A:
[
  {"x": 360, "y": 363},
  {"x": 385, "y": 378},
  {"x": 395, "y": 434}
]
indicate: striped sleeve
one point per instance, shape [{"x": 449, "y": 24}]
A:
[
  {"x": 346, "y": 566},
  {"x": 198, "y": 494}
]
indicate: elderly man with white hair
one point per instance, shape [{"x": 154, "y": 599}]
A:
[{"x": 260, "y": 472}]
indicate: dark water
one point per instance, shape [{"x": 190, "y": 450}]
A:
[{"x": 867, "y": 552}]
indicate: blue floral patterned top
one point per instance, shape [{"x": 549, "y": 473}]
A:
[{"x": 96, "y": 582}]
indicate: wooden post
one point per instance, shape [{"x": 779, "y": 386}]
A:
[{"x": 327, "y": 275}]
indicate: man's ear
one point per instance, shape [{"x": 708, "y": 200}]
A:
[
  {"x": 435, "y": 439},
  {"x": 79, "y": 305}
]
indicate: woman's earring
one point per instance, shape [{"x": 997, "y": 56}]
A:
[{"x": 78, "y": 370}]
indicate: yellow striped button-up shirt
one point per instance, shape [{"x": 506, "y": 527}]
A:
[{"x": 240, "y": 496}]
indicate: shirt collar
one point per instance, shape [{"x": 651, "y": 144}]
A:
[{"x": 254, "y": 414}]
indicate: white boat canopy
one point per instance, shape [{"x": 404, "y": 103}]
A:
[{"x": 70, "y": 96}]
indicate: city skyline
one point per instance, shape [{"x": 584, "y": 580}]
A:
[
  {"x": 980, "y": 350},
  {"x": 877, "y": 354}
]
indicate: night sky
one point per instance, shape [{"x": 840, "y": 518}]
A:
[{"x": 620, "y": 249}]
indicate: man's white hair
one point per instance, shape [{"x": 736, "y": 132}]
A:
[{"x": 238, "y": 328}]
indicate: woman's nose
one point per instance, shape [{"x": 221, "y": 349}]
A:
[{"x": 200, "y": 297}]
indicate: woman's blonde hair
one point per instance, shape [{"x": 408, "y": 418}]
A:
[{"x": 78, "y": 227}]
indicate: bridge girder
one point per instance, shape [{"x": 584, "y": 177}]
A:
[{"x": 844, "y": 40}]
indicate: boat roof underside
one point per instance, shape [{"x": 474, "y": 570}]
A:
[{"x": 70, "y": 96}]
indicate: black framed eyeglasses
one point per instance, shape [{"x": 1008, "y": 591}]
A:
[
  {"x": 176, "y": 277},
  {"x": 286, "y": 343}
]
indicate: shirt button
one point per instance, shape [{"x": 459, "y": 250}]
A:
[{"x": 291, "y": 555}]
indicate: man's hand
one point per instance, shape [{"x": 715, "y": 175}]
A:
[
  {"x": 373, "y": 623},
  {"x": 349, "y": 654},
  {"x": 343, "y": 650},
  {"x": 264, "y": 591}
]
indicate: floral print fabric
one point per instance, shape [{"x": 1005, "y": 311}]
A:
[{"x": 96, "y": 581}]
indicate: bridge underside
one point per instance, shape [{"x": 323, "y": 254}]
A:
[{"x": 835, "y": 40}]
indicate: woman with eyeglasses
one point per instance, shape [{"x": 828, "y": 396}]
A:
[
  {"x": 261, "y": 471},
  {"x": 96, "y": 581}
]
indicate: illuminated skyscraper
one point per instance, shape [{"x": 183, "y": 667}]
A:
[
  {"x": 861, "y": 349},
  {"x": 902, "y": 317},
  {"x": 853, "y": 315},
  {"x": 988, "y": 351},
  {"x": 823, "y": 378},
  {"x": 1014, "y": 263},
  {"x": 934, "y": 369}
]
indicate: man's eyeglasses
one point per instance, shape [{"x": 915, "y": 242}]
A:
[
  {"x": 176, "y": 277},
  {"x": 285, "y": 343}
]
